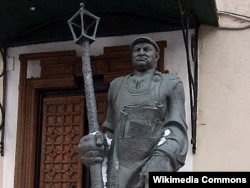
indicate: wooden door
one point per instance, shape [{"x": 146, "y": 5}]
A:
[{"x": 62, "y": 127}]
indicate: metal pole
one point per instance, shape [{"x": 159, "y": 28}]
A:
[
  {"x": 96, "y": 168},
  {"x": 89, "y": 88}
]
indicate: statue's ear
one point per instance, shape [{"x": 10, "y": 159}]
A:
[{"x": 157, "y": 56}]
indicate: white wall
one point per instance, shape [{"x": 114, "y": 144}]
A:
[
  {"x": 223, "y": 99},
  {"x": 233, "y": 14},
  {"x": 223, "y": 134},
  {"x": 175, "y": 61}
]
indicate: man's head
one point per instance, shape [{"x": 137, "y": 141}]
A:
[
  {"x": 144, "y": 39},
  {"x": 145, "y": 54}
]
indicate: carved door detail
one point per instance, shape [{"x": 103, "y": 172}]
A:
[
  {"x": 62, "y": 128},
  {"x": 63, "y": 125}
]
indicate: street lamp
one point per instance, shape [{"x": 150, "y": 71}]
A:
[{"x": 83, "y": 26}]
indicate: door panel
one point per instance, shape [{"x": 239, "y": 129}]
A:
[{"x": 62, "y": 128}]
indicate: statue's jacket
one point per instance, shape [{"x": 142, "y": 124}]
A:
[{"x": 138, "y": 121}]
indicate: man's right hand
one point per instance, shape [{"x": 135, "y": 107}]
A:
[{"x": 92, "y": 148}]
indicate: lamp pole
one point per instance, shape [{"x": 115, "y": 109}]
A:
[{"x": 86, "y": 31}]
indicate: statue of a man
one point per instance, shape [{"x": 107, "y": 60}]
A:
[{"x": 145, "y": 122}]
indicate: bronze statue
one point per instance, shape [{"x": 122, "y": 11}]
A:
[{"x": 145, "y": 122}]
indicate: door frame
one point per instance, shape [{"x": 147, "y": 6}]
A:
[
  {"x": 28, "y": 117},
  {"x": 27, "y": 127}
]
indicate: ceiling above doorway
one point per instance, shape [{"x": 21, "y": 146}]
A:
[{"x": 24, "y": 22}]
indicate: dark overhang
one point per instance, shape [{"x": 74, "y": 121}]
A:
[{"x": 24, "y": 22}]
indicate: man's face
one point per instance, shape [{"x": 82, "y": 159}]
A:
[{"x": 144, "y": 57}]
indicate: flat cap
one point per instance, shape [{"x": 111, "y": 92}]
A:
[{"x": 144, "y": 39}]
